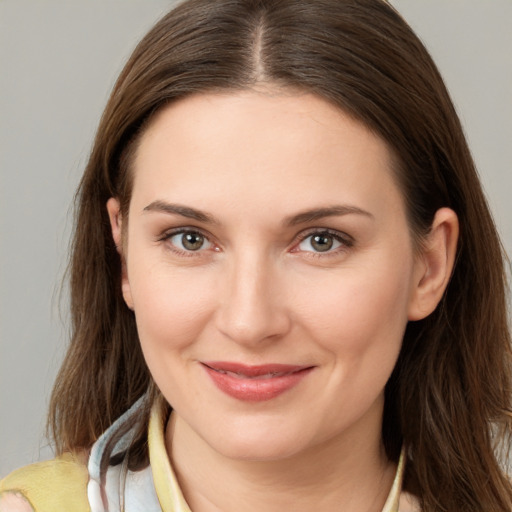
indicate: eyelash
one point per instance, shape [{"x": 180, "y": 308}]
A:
[
  {"x": 166, "y": 237},
  {"x": 345, "y": 241}
]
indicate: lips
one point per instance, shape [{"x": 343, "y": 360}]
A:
[{"x": 255, "y": 383}]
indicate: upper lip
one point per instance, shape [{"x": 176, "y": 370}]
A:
[{"x": 245, "y": 370}]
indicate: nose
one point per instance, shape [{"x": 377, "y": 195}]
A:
[{"x": 253, "y": 308}]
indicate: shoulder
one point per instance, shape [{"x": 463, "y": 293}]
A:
[
  {"x": 408, "y": 503},
  {"x": 58, "y": 484}
]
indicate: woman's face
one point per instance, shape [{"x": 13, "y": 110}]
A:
[{"x": 271, "y": 270}]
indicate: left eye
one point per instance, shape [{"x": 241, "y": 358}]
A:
[
  {"x": 190, "y": 241},
  {"x": 319, "y": 242}
]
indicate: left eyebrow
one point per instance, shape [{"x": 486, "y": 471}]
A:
[
  {"x": 179, "y": 209},
  {"x": 321, "y": 213}
]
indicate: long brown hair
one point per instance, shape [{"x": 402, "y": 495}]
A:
[{"x": 448, "y": 399}]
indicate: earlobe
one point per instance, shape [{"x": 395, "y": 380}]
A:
[
  {"x": 435, "y": 264},
  {"x": 114, "y": 213}
]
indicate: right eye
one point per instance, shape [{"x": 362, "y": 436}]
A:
[
  {"x": 319, "y": 243},
  {"x": 188, "y": 241}
]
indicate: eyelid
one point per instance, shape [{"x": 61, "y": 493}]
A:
[
  {"x": 169, "y": 233},
  {"x": 345, "y": 239}
]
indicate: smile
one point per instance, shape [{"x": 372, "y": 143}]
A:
[{"x": 254, "y": 383}]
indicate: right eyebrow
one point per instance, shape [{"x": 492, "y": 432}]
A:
[
  {"x": 179, "y": 209},
  {"x": 320, "y": 213}
]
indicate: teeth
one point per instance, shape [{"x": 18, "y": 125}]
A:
[{"x": 258, "y": 377}]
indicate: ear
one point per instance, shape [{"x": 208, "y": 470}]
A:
[
  {"x": 114, "y": 213},
  {"x": 434, "y": 264}
]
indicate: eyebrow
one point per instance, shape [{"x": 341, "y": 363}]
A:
[
  {"x": 300, "y": 218},
  {"x": 178, "y": 209},
  {"x": 320, "y": 213}
]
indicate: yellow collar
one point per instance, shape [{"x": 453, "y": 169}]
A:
[{"x": 166, "y": 484}]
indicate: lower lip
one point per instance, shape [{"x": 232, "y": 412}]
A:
[{"x": 255, "y": 389}]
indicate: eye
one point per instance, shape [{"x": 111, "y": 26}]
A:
[
  {"x": 323, "y": 242},
  {"x": 188, "y": 241}
]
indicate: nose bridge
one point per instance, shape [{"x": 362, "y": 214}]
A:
[{"x": 251, "y": 309}]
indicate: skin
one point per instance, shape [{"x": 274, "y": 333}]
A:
[
  {"x": 258, "y": 292},
  {"x": 14, "y": 502}
]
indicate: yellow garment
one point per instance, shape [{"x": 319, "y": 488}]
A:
[
  {"x": 54, "y": 485},
  {"x": 166, "y": 484}
]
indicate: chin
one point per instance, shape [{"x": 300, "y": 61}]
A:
[
  {"x": 258, "y": 451},
  {"x": 258, "y": 444}
]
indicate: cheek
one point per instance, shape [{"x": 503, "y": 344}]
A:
[
  {"x": 358, "y": 310},
  {"x": 171, "y": 306}
]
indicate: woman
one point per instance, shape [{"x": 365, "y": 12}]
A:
[{"x": 281, "y": 236}]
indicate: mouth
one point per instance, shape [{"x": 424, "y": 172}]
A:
[{"x": 255, "y": 383}]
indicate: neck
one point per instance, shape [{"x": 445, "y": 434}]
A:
[{"x": 349, "y": 473}]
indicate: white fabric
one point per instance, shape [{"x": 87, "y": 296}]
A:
[{"x": 136, "y": 490}]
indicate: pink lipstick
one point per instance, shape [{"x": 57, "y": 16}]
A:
[{"x": 254, "y": 383}]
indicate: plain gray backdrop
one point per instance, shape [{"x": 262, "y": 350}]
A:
[{"x": 58, "y": 62}]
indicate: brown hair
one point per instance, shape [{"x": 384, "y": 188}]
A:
[{"x": 448, "y": 399}]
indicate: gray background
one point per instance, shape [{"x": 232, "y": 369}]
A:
[{"x": 58, "y": 62}]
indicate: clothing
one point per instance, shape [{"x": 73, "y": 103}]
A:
[{"x": 67, "y": 484}]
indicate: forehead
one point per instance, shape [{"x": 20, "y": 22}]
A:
[{"x": 288, "y": 146}]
